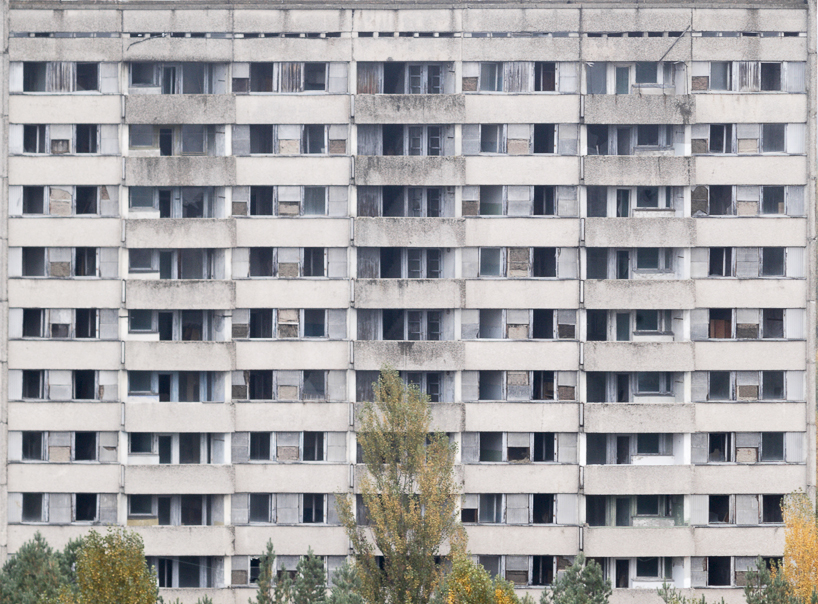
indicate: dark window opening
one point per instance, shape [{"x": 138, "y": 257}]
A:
[
  {"x": 259, "y": 510},
  {"x": 772, "y": 385},
  {"x": 773, "y": 322},
  {"x": 545, "y": 77},
  {"x": 141, "y": 442},
  {"x": 313, "y": 446},
  {"x": 261, "y": 322},
  {"x": 86, "y": 324},
  {"x": 544, "y": 138},
  {"x": 544, "y": 201},
  {"x": 647, "y": 135},
  {"x": 596, "y": 510},
  {"x": 721, "y": 262},
  {"x": 772, "y": 200},
  {"x": 647, "y": 505},
  {"x": 313, "y": 508},
  {"x": 87, "y": 76},
  {"x": 719, "y": 509},
  {"x": 597, "y": 449},
  {"x": 261, "y": 139},
  {"x": 542, "y": 570},
  {"x": 647, "y": 444},
  {"x": 772, "y": 261},
  {"x": 718, "y": 571},
  {"x": 721, "y": 323},
  {"x": 545, "y": 262},
  {"x": 544, "y": 386},
  {"x": 543, "y": 324},
  {"x": 86, "y": 138},
  {"x": 721, "y": 200},
  {"x": 772, "y": 446},
  {"x": 261, "y": 201},
  {"x": 32, "y": 323},
  {"x": 259, "y": 446},
  {"x": 193, "y": 512},
  {"x": 33, "y": 446},
  {"x": 85, "y": 446},
  {"x": 190, "y": 448},
  {"x": 544, "y": 447},
  {"x": 771, "y": 509},
  {"x": 313, "y": 262},
  {"x": 491, "y": 446},
  {"x": 543, "y": 508},
  {"x": 32, "y": 507},
  {"x": 261, "y": 262},
  {"x": 315, "y": 76},
  {"x": 770, "y": 76},
  {"x": 260, "y": 385},
  {"x": 85, "y": 263},
  {"x": 86, "y": 507},
  {"x": 719, "y": 447},
  {"x": 596, "y": 263},
  {"x": 86, "y": 200},
  {"x": 85, "y": 384},
  {"x": 314, "y": 323},
  {"x": 33, "y": 200}
]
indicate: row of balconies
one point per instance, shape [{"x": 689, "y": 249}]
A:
[
  {"x": 450, "y": 417},
  {"x": 620, "y": 170},
  {"x": 409, "y": 293},
  {"x": 409, "y": 355},
  {"x": 675, "y": 232},
  {"x": 409, "y": 109}
]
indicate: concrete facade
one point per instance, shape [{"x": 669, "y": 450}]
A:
[{"x": 585, "y": 229}]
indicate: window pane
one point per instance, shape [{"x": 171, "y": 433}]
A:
[
  {"x": 772, "y": 446},
  {"x": 315, "y": 201},
  {"x": 140, "y": 442},
  {"x": 647, "y": 444},
  {"x": 773, "y": 138},
  {"x": 719, "y": 76},
  {"x": 141, "y": 135},
  {"x": 646, "y": 73},
  {"x": 140, "y": 320},
  {"x": 140, "y": 505},
  {"x": 772, "y": 200},
  {"x": 139, "y": 382},
  {"x": 490, "y": 262},
  {"x": 140, "y": 197},
  {"x": 647, "y": 258},
  {"x": 140, "y": 260},
  {"x": 193, "y": 138}
]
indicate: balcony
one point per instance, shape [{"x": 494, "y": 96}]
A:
[
  {"x": 64, "y": 354},
  {"x": 631, "y": 541},
  {"x": 293, "y": 232},
  {"x": 180, "y": 109},
  {"x": 640, "y": 108},
  {"x": 374, "y": 170},
  {"x": 288, "y": 354},
  {"x": 523, "y": 417},
  {"x": 291, "y": 540},
  {"x": 650, "y": 417},
  {"x": 186, "y": 540},
  {"x": 518, "y": 355},
  {"x": 521, "y": 108},
  {"x": 66, "y": 170},
  {"x": 64, "y": 478},
  {"x": 180, "y": 356},
  {"x": 178, "y": 417},
  {"x": 285, "y": 170},
  {"x": 627, "y": 293},
  {"x": 189, "y": 294},
  {"x": 292, "y": 293},
  {"x": 558, "y": 232},
  {"x": 644, "y": 356},
  {"x": 63, "y": 108},
  {"x": 65, "y": 416},
  {"x": 303, "y": 477},
  {"x": 537, "y": 478},
  {"x": 657, "y": 171},
  {"x": 183, "y": 171},
  {"x": 522, "y": 540},
  {"x": 65, "y": 232},
  {"x": 766, "y": 170},
  {"x": 766, "y": 231},
  {"x": 308, "y": 416},
  {"x": 410, "y": 355},
  {"x": 410, "y": 108},
  {"x": 744, "y": 293},
  {"x": 198, "y": 479},
  {"x": 280, "y": 109},
  {"x": 54, "y": 293},
  {"x": 522, "y": 170},
  {"x": 409, "y": 293},
  {"x": 522, "y": 293},
  {"x": 409, "y": 232},
  {"x": 750, "y": 356},
  {"x": 640, "y": 232},
  {"x": 180, "y": 232}
]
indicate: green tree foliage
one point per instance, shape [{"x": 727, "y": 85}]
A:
[
  {"x": 581, "y": 583},
  {"x": 769, "y": 586},
  {"x": 670, "y": 595},
  {"x": 409, "y": 492},
  {"x": 346, "y": 586},
  {"x": 36, "y": 573},
  {"x": 265, "y": 584},
  {"x": 310, "y": 585},
  {"x": 111, "y": 569}
]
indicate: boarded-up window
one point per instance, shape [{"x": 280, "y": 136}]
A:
[{"x": 370, "y": 80}]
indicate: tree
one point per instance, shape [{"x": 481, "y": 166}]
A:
[
  {"x": 800, "y": 546},
  {"x": 766, "y": 585},
  {"x": 671, "y": 595},
  {"x": 36, "y": 572},
  {"x": 346, "y": 586},
  {"x": 111, "y": 569},
  {"x": 408, "y": 493},
  {"x": 310, "y": 586},
  {"x": 470, "y": 583},
  {"x": 581, "y": 583}
]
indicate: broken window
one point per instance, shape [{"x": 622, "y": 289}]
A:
[
  {"x": 491, "y": 138},
  {"x": 647, "y": 568},
  {"x": 542, "y": 508},
  {"x": 648, "y": 444},
  {"x": 721, "y": 201},
  {"x": 772, "y": 323},
  {"x": 34, "y": 76},
  {"x": 261, "y": 199},
  {"x": 773, "y": 261},
  {"x": 770, "y": 76},
  {"x": 721, "y": 262},
  {"x": 85, "y": 507},
  {"x": 33, "y": 507},
  {"x": 86, "y": 138},
  {"x": 260, "y": 385},
  {"x": 491, "y": 385},
  {"x": 260, "y": 446},
  {"x": 718, "y": 571},
  {"x": 542, "y": 327},
  {"x": 543, "y": 386},
  {"x": 313, "y": 264},
  {"x": 261, "y": 262},
  {"x": 261, "y": 323},
  {"x": 33, "y": 200},
  {"x": 544, "y": 201},
  {"x": 597, "y": 139},
  {"x": 313, "y": 139},
  {"x": 719, "y": 509},
  {"x": 773, "y": 138},
  {"x": 84, "y": 384},
  {"x": 33, "y": 382},
  {"x": 596, "y": 263},
  {"x": 491, "y": 77},
  {"x": 34, "y": 137},
  {"x": 85, "y": 262},
  {"x": 491, "y": 508},
  {"x": 85, "y": 200},
  {"x": 140, "y": 505},
  {"x": 545, "y": 76},
  {"x": 772, "y": 385},
  {"x": 140, "y": 442},
  {"x": 721, "y": 323},
  {"x": 314, "y": 385},
  {"x": 721, "y": 138},
  {"x": 491, "y": 262},
  {"x": 720, "y": 386},
  {"x": 32, "y": 322},
  {"x": 313, "y": 510},
  {"x": 491, "y": 446},
  {"x": 542, "y": 570},
  {"x": 545, "y": 138},
  {"x": 85, "y": 446},
  {"x": 647, "y": 135},
  {"x": 190, "y": 448},
  {"x": 772, "y": 446},
  {"x": 772, "y": 200},
  {"x": 771, "y": 509},
  {"x": 544, "y": 447},
  {"x": 720, "y": 447},
  {"x": 545, "y": 262}
]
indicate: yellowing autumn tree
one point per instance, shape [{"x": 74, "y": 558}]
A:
[
  {"x": 111, "y": 569},
  {"x": 800, "y": 546},
  {"x": 409, "y": 494},
  {"x": 470, "y": 583}
]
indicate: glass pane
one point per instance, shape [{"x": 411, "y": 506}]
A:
[
  {"x": 140, "y": 197},
  {"x": 193, "y": 138},
  {"x": 315, "y": 201},
  {"x": 490, "y": 262},
  {"x": 646, "y": 73},
  {"x": 141, "y": 135}
]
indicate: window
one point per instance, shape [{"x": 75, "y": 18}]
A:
[
  {"x": 491, "y": 77},
  {"x": 721, "y": 262},
  {"x": 261, "y": 262},
  {"x": 314, "y": 323},
  {"x": 491, "y": 263},
  {"x": 315, "y": 201},
  {"x": 773, "y": 138},
  {"x": 143, "y": 74},
  {"x": 647, "y": 135},
  {"x": 491, "y": 508},
  {"x": 544, "y": 201},
  {"x": 33, "y": 384},
  {"x": 261, "y": 385},
  {"x": 85, "y": 384},
  {"x": 772, "y": 446},
  {"x": 315, "y": 76},
  {"x": 313, "y": 265},
  {"x": 772, "y": 385},
  {"x": 85, "y": 446},
  {"x": 719, "y": 509},
  {"x": 260, "y": 508},
  {"x": 544, "y": 447},
  {"x": 721, "y": 138},
  {"x": 33, "y": 200},
  {"x": 770, "y": 76},
  {"x": 491, "y": 446},
  {"x": 140, "y": 320},
  {"x": 721, "y": 76},
  {"x": 261, "y": 323},
  {"x": 140, "y": 505},
  {"x": 32, "y": 322},
  {"x": 34, "y": 76},
  {"x": 491, "y": 385},
  {"x": 544, "y": 262},
  {"x": 140, "y": 442},
  {"x": 545, "y": 77},
  {"x": 653, "y": 258},
  {"x": 193, "y": 139},
  {"x": 33, "y": 507},
  {"x": 491, "y": 138},
  {"x": 313, "y": 139},
  {"x": 86, "y": 138},
  {"x": 34, "y": 139},
  {"x": 721, "y": 388},
  {"x": 718, "y": 571},
  {"x": 314, "y": 385},
  {"x": 772, "y": 200},
  {"x": 85, "y": 507},
  {"x": 647, "y": 567},
  {"x": 647, "y": 505},
  {"x": 772, "y": 261},
  {"x": 771, "y": 509},
  {"x": 772, "y": 323},
  {"x": 313, "y": 510},
  {"x": 140, "y": 260},
  {"x": 721, "y": 323},
  {"x": 260, "y": 446},
  {"x": 646, "y": 73},
  {"x": 648, "y": 444},
  {"x": 720, "y": 447},
  {"x": 33, "y": 446},
  {"x": 654, "y": 382},
  {"x": 87, "y": 76},
  {"x": 545, "y": 138}
]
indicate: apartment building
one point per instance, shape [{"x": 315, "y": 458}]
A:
[{"x": 585, "y": 229}]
